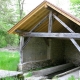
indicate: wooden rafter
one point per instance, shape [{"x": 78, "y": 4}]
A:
[{"x": 70, "y": 30}]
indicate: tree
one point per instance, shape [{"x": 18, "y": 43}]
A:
[
  {"x": 75, "y": 7},
  {"x": 9, "y": 16},
  {"x": 20, "y": 4}
]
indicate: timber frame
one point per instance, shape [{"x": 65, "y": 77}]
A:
[
  {"x": 72, "y": 35},
  {"x": 48, "y": 37}
]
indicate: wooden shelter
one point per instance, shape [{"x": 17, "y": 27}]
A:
[{"x": 49, "y": 36}]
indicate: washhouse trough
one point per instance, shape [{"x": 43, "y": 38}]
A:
[{"x": 49, "y": 37}]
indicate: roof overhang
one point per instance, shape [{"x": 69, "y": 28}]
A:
[{"x": 42, "y": 10}]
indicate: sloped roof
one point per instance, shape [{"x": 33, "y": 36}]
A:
[{"x": 42, "y": 10}]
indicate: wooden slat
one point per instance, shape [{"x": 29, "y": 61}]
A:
[{"x": 52, "y": 35}]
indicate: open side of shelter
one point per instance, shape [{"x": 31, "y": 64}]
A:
[{"x": 49, "y": 36}]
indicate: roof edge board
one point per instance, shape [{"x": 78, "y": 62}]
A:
[
  {"x": 61, "y": 11},
  {"x": 43, "y": 4}
]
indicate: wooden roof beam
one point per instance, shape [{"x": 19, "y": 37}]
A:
[{"x": 52, "y": 35}]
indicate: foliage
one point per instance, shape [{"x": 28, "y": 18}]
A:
[
  {"x": 75, "y": 2},
  {"x": 75, "y": 7},
  {"x": 9, "y": 16},
  {"x": 73, "y": 78},
  {"x": 29, "y": 74},
  {"x": 8, "y": 60},
  {"x": 11, "y": 78},
  {"x": 55, "y": 78},
  {"x": 20, "y": 8}
]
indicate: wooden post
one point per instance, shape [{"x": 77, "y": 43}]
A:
[
  {"x": 21, "y": 50},
  {"x": 50, "y": 22},
  {"x": 49, "y": 31}
]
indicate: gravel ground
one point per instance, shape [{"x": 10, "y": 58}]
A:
[{"x": 10, "y": 49}]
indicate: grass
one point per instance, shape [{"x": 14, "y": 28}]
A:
[
  {"x": 29, "y": 74},
  {"x": 9, "y": 60},
  {"x": 73, "y": 78}
]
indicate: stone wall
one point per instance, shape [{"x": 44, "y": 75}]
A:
[
  {"x": 71, "y": 53},
  {"x": 35, "y": 50},
  {"x": 36, "y": 55},
  {"x": 35, "y": 65},
  {"x": 57, "y": 51}
]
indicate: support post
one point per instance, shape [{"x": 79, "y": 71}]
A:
[
  {"x": 49, "y": 31},
  {"x": 50, "y": 22},
  {"x": 21, "y": 50}
]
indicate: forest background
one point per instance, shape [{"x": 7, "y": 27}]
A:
[{"x": 12, "y": 12}]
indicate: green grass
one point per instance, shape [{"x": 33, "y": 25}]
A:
[
  {"x": 29, "y": 74},
  {"x": 9, "y": 60},
  {"x": 73, "y": 78}
]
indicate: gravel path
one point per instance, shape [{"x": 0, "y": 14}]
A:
[
  {"x": 6, "y": 73},
  {"x": 10, "y": 49}
]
